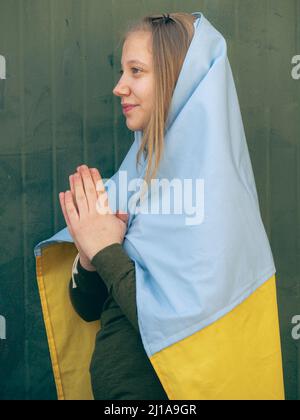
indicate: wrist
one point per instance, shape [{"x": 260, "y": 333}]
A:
[
  {"x": 100, "y": 247},
  {"x": 86, "y": 264}
]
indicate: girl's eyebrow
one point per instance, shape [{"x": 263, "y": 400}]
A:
[{"x": 135, "y": 62}]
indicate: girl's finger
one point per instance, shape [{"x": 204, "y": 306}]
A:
[
  {"x": 123, "y": 216},
  {"x": 70, "y": 209},
  {"x": 101, "y": 191},
  {"x": 80, "y": 196},
  {"x": 72, "y": 184},
  {"x": 99, "y": 182},
  {"x": 102, "y": 206},
  {"x": 96, "y": 177},
  {"x": 62, "y": 202},
  {"x": 63, "y": 207},
  {"x": 89, "y": 187},
  {"x": 71, "y": 179}
]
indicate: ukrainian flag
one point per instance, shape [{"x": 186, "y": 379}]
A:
[{"x": 206, "y": 285}]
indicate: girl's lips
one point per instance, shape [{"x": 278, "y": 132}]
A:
[{"x": 127, "y": 109}]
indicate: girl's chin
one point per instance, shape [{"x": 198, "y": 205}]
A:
[{"x": 133, "y": 127}]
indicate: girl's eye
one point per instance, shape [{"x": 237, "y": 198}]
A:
[{"x": 132, "y": 68}]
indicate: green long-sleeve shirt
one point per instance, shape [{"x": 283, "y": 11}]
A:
[{"x": 120, "y": 368}]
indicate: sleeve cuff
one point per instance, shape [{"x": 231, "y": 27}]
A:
[
  {"x": 112, "y": 263},
  {"x": 86, "y": 273},
  {"x": 85, "y": 280}
]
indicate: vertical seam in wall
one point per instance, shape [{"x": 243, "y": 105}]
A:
[
  {"x": 297, "y": 52},
  {"x": 267, "y": 119},
  {"x": 114, "y": 107},
  {"x": 237, "y": 37},
  {"x": 297, "y": 25},
  {"x": 53, "y": 117},
  {"x": 84, "y": 79},
  {"x": 23, "y": 197},
  {"x": 297, "y": 46}
]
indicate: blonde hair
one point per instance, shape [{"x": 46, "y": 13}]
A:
[{"x": 170, "y": 42}]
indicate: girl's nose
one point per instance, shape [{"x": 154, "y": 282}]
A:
[{"x": 120, "y": 89}]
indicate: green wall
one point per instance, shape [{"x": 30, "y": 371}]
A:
[{"x": 57, "y": 110}]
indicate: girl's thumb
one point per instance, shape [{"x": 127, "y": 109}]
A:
[{"x": 122, "y": 216}]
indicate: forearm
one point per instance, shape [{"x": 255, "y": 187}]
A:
[
  {"x": 87, "y": 293},
  {"x": 117, "y": 271}
]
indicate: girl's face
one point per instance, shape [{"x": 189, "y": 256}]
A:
[{"x": 136, "y": 85}]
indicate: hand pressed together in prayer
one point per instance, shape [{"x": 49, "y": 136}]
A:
[{"x": 91, "y": 223}]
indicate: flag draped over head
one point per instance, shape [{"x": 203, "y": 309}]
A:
[{"x": 205, "y": 275}]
